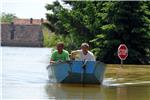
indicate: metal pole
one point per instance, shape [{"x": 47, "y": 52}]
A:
[{"x": 121, "y": 63}]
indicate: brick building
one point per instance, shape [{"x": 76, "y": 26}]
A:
[{"x": 22, "y": 32}]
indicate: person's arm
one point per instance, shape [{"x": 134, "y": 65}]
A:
[
  {"x": 68, "y": 58},
  {"x": 92, "y": 57},
  {"x": 52, "y": 59}
]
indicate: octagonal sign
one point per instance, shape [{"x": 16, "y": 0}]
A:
[{"x": 122, "y": 51}]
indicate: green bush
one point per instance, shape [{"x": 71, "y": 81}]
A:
[{"x": 71, "y": 41}]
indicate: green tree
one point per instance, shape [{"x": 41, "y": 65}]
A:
[
  {"x": 128, "y": 23},
  {"x": 83, "y": 20},
  {"x": 7, "y": 18},
  {"x": 107, "y": 24}
]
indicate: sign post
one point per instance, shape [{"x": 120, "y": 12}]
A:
[{"x": 122, "y": 52}]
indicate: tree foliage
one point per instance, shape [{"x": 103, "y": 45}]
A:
[
  {"x": 7, "y": 17},
  {"x": 128, "y": 23},
  {"x": 105, "y": 25}
]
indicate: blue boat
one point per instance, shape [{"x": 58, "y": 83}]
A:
[{"x": 82, "y": 72}]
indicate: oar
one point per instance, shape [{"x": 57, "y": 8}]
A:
[{"x": 83, "y": 73}]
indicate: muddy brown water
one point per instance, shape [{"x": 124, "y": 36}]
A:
[{"x": 24, "y": 76}]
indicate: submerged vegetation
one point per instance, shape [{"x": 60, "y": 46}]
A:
[
  {"x": 128, "y": 73},
  {"x": 104, "y": 25}
]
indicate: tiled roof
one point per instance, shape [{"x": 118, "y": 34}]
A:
[{"x": 30, "y": 21}]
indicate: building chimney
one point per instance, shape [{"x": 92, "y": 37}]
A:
[
  {"x": 12, "y": 23},
  {"x": 31, "y": 20},
  {"x": 42, "y": 20}
]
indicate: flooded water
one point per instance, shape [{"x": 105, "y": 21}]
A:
[{"x": 24, "y": 76}]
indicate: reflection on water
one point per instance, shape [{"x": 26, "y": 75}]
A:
[
  {"x": 130, "y": 92},
  {"x": 77, "y": 91},
  {"x": 71, "y": 92},
  {"x": 25, "y": 77}
]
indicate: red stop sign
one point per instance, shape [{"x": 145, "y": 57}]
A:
[{"x": 122, "y": 51}]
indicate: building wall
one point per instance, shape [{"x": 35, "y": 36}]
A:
[{"x": 21, "y": 35}]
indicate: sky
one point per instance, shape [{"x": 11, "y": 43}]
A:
[{"x": 25, "y": 8}]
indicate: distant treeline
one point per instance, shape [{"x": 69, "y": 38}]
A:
[
  {"x": 7, "y": 17},
  {"x": 104, "y": 25}
]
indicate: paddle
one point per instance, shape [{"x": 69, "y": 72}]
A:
[{"x": 84, "y": 70}]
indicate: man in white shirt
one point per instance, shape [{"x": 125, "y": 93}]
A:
[{"x": 83, "y": 54}]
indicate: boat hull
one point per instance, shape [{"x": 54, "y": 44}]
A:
[{"x": 81, "y": 72}]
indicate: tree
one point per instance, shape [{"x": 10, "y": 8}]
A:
[
  {"x": 7, "y": 18},
  {"x": 83, "y": 20},
  {"x": 128, "y": 23},
  {"x": 105, "y": 25},
  {"x": 60, "y": 20}
]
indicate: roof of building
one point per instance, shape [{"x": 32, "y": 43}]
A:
[{"x": 30, "y": 21}]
